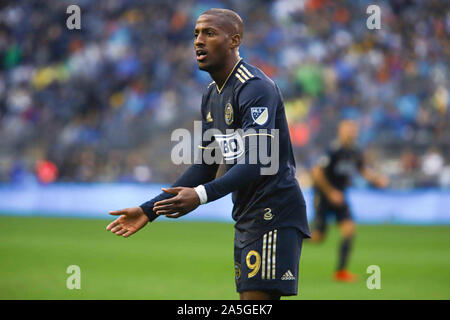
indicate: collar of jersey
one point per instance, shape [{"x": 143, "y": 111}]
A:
[{"x": 226, "y": 80}]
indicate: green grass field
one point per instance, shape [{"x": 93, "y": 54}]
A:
[{"x": 193, "y": 260}]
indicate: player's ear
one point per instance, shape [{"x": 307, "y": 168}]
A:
[{"x": 235, "y": 41}]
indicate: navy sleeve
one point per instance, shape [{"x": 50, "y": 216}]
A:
[
  {"x": 196, "y": 174},
  {"x": 257, "y": 102}
]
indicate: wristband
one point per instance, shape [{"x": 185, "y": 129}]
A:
[{"x": 202, "y": 195}]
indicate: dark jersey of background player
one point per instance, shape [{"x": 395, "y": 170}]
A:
[
  {"x": 261, "y": 202},
  {"x": 341, "y": 164}
]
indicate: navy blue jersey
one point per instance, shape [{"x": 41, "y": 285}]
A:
[
  {"x": 250, "y": 104},
  {"x": 340, "y": 164}
]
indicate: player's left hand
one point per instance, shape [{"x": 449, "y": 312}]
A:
[
  {"x": 131, "y": 220},
  {"x": 185, "y": 200}
]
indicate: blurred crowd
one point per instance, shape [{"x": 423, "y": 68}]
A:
[{"x": 99, "y": 104}]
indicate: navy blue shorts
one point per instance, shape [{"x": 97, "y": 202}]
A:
[
  {"x": 323, "y": 209},
  {"x": 270, "y": 263}
]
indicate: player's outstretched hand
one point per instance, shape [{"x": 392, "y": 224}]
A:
[
  {"x": 131, "y": 220},
  {"x": 185, "y": 200}
]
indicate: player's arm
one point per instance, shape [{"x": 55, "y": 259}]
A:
[
  {"x": 243, "y": 173},
  {"x": 321, "y": 181},
  {"x": 196, "y": 174},
  {"x": 133, "y": 219},
  {"x": 375, "y": 178}
]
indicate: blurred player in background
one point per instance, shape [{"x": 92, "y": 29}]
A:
[
  {"x": 331, "y": 176},
  {"x": 269, "y": 210}
]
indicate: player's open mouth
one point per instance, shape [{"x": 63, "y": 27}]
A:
[{"x": 201, "y": 54}]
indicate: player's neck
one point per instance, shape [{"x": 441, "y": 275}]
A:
[
  {"x": 221, "y": 75},
  {"x": 346, "y": 143}
]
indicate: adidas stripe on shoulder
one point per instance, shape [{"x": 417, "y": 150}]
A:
[{"x": 243, "y": 74}]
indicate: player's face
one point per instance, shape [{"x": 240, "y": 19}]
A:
[
  {"x": 348, "y": 132},
  {"x": 211, "y": 43}
]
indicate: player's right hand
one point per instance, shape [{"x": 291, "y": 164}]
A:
[
  {"x": 336, "y": 197},
  {"x": 131, "y": 220}
]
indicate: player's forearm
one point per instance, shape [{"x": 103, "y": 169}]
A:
[
  {"x": 239, "y": 176},
  {"x": 195, "y": 175},
  {"x": 376, "y": 179}
]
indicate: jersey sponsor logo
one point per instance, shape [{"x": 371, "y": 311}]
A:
[
  {"x": 229, "y": 114},
  {"x": 260, "y": 115},
  {"x": 231, "y": 145},
  {"x": 288, "y": 276},
  {"x": 217, "y": 147}
]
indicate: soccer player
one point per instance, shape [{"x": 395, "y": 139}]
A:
[
  {"x": 269, "y": 210},
  {"x": 331, "y": 177}
]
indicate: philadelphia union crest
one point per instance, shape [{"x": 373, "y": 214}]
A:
[{"x": 229, "y": 114}]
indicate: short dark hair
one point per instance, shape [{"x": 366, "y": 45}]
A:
[{"x": 230, "y": 19}]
